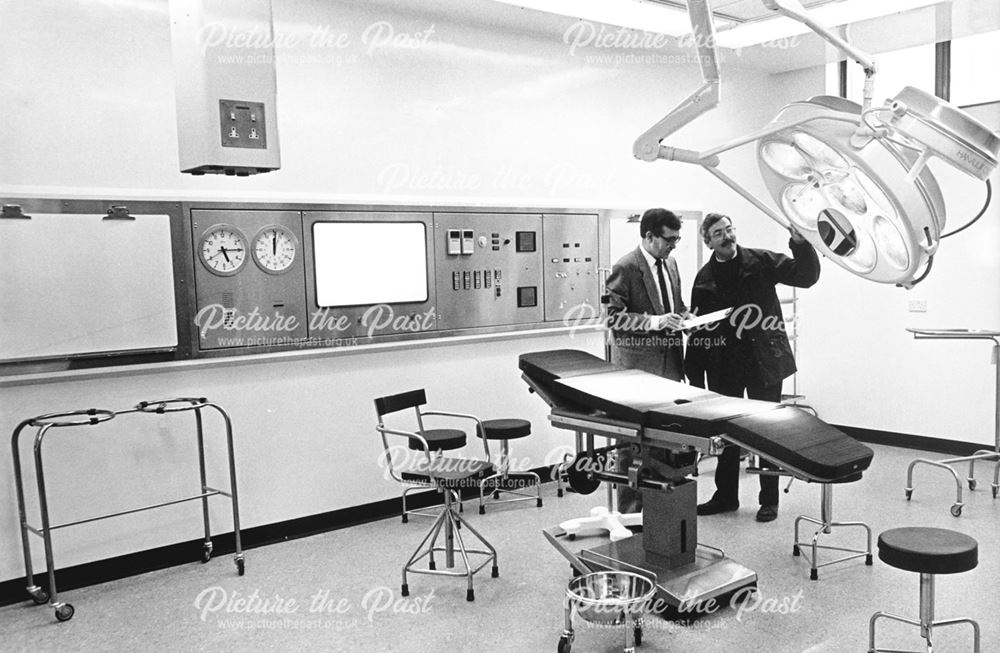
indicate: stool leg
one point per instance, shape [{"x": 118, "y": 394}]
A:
[{"x": 927, "y": 607}]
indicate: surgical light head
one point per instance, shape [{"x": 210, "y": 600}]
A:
[{"x": 852, "y": 179}]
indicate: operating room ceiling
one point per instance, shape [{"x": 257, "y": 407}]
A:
[{"x": 948, "y": 20}]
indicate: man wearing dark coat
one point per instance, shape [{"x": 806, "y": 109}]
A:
[{"x": 748, "y": 352}]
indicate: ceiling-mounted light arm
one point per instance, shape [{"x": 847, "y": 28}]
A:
[
  {"x": 793, "y": 9},
  {"x": 647, "y": 147}
]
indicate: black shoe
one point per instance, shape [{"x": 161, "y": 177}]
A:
[
  {"x": 714, "y": 507},
  {"x": 767, "y": 513}
]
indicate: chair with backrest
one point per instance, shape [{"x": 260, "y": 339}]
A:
[{"x": 422, "y": 461}]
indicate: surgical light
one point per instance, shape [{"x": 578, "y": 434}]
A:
[{"x": 851, "y": 178}]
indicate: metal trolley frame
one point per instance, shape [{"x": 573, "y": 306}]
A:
[
  {"x": 984, "y": 455},
  {"x": 93, "y": 416}
]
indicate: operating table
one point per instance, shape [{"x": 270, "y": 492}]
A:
[{"x": 636, "y": 409}]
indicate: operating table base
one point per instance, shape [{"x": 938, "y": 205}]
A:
[{"x": 690, "y": 590}]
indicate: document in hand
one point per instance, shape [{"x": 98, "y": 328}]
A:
[{"x": 708, "y": 318}]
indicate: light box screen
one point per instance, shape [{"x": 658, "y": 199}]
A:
[{"x": 365, "y": 263}]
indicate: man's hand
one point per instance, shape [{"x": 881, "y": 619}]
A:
[
  {"x": 797, "y": 237},
  {"x": 669, "y": 321}
]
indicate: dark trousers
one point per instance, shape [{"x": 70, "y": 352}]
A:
[{"x": 727, "y": 471}]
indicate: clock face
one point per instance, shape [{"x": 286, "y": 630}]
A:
[
  {"x": 274, "y": 249},
  {"x": 223, "y": 250}
]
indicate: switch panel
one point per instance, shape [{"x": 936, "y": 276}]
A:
[{"x": 242, "y": 124}]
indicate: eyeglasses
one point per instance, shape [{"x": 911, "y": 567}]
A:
[
  {"x": 670, "y": 240},
  {"x": 728, "y": 231}
]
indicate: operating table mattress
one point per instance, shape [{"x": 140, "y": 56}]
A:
[{"x": 790, "y": 437}]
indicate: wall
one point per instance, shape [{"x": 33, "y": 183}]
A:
[{"x": 471, "y": 113}]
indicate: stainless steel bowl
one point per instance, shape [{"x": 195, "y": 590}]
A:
[{"x": 607, "y": 596}]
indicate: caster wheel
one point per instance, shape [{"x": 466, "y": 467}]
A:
[
  {"x": 241, "y": 566},
  {"x": 868, "y": 560},
  {"x": 206, "y": 555},
  {"x": 482, "y": 510},
  {"x": 538, "y": 503},
  {"x": 909, "y": 494},
  {"x": 496, "y": 494},
  {"x": 956, "y": 510},
  {"x": 470, "y": 595},
  {"x": 39, "y": 596},
  {"x": 432, "y": 565},
  {"x": 972, "y": 484},
  {"x": 637, "y": 635},
  {"x": 813, "y": 574},
  {"x": 995, "y": 488},
  {"x": 795, "y": 550},
  {"x": 64, "y": 612},
  {"x": 565, "y": 645},
  {"x": 404, "y": 590},
  {"x": 559, "y": 493},
  {"x": 406, "y": 519},
  {"x": 495, "y": 572}
]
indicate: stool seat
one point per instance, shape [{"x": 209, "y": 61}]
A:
[
  {"x": 505, "y": 429},
  {"x": 928, "y": 550},
  {"x": 440, "y": 439}
]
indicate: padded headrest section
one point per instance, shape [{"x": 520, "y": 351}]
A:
[{"x": 797, "y": 439}]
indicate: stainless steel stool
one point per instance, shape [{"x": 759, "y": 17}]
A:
[
  {"x": 506, "y": 430},
  {"x": 927, "y": 551}
]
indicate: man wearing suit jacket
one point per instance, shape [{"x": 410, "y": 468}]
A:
[{"x": 646, "y": 310}]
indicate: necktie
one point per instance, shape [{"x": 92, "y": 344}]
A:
[{"x": 664, "y": 287}]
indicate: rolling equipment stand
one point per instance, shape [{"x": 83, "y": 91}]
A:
[
  {"x": 93, "y": 416},
  {"x": 982, "y": 454}
]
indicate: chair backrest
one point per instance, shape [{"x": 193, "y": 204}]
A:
[{"x": 402, "y": 401}]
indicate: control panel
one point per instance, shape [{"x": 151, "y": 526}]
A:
[
  {"x": 490, "y": 270},
  {"x": 570, "y": 265}
]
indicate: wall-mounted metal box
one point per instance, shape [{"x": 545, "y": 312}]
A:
[{"x": 225, "y": 86}]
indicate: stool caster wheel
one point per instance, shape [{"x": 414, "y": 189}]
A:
[
  {"x": 406, "y": 519},
  {"x": 482, "y": 510},
  {"x": 495, "y": 572},
  {"x": 64, "y": 612},
  {"x": 868, "y": 560},
  {"x": 795, "y": 550},
  {"x": 38, "y": 595},
  {"x": 538, "y": 504},
  {"x": 813, "y": 574},
  {"x": 956, "y": 510},
  {"x": 432, "y": 565},
  {"x": 496, "y": 494},
  {"x": 995, "y": 488},
  {"x": 909, "y": 493},
  {"x": 240, "y": 567},
  {"x": 565, "y": 645},
  {"x": 470, "y": 595},
  {"x": 404, "y": 590},
  {"x": 972, "y": 484},
  {"x": 206, "y": 553},
  {"x": 559, "y": 493}
]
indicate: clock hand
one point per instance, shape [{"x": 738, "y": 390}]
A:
[
  {"x": 225, "y": 254},
  {"x": 274, "y": 243}
]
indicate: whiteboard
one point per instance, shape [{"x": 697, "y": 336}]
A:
[{"x": 75, "y": 284}]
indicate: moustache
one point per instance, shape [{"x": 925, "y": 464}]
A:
[{"x": 728, "y": 241}]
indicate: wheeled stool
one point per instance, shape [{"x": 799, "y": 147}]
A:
[
  {"x": 927, "y": 551},
  {"x": 506, "y": 430}
]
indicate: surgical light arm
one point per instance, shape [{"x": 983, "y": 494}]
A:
[{"x": 649, "y": 147}]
